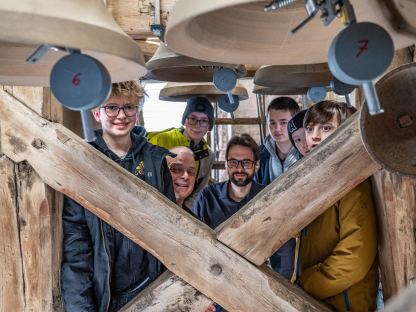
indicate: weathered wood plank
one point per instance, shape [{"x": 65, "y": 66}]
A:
[
  {"x": 405, "y": 301},
  {"x": 396, "y": 212},
  {"x": 12, "y": 291},
  {"x": 300, "y": 195},
  {"x": 187, "y": 247},
  {"x": 136, "y": 16},
  {"x": 168, "y": 294},
  {"x": 34, "y": 217}
]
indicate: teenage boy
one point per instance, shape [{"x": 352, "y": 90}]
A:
[
  {"x": 277, "y": 154},
  {"x": 101, "y": 268},
  {"x": 183, "y": 171},
  {"x": 197, "y": 119},
  {"x": 336, "y": 254},
  {"x": 297, "y": 133}
]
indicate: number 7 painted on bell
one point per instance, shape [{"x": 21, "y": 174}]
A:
[{"x": 363, "y": 46}]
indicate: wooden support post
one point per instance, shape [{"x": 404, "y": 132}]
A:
[
  {"x": 300, "y": 195},
  {"x": 395, "y": 198},
  {"x": 405, "y": 301},
  {"x": 29, "y": 260},
  {"x": 32, "y": 224},
  {"x": 187, "y": 247},
  {"x": 396, "y": 212},
  {"x": 168, "y": 293}
]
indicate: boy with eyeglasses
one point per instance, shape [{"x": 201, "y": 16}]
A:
[
  {"x": 101, "y": 268},
  {"x": 197, "y": 119}
]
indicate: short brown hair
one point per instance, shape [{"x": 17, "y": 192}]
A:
[
  {"x": 130, "y": 88},
  {"x": 243, "y": 140},
  {"x": 284, "y": 103},
  {"x": 324, "y": 111}
]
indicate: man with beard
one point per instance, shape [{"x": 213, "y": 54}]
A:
[{"x": 217, "y": 202}]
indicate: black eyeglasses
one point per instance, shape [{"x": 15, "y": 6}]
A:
[
  {"x": 112, "y": 111},
  {"x": 245, "y": 163},
  {"x": 202, "y": 122}
]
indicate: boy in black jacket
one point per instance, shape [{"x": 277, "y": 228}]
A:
[{"x": 101, "y": 268}]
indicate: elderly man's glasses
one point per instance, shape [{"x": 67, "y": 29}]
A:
[
  {"x": 112, "y": 111},
  {"x": 180, "y": 170},
  {"x": 202, "y": 122},
  {"x": 245, "y": 163}
]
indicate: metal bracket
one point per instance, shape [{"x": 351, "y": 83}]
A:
[{"x": 44, "y": 48}]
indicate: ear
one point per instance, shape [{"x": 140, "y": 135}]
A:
[
  {"x": 96, "y": 113},
  {"x": 257, "y": 165}
]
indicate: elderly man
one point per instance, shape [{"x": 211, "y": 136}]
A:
[{"x": 183, "y": 171}]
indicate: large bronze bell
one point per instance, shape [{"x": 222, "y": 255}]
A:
[
  {"x": 390, "y": 138},
  {"x": 75, "y": 24},
  {"x": 241, "y": 31},
  {"x": 166, "y": 65},
  {"x": 180, "y": 92}
]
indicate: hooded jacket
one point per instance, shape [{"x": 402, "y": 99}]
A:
[
  {"x": 336, "y": 254},
  {"x": 204, "y": 157},
  {"x": 270, "y": 164},
  {"x": 101, "y": 268}
]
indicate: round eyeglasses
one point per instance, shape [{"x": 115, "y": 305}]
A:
[{"x": 112, "y": 111}]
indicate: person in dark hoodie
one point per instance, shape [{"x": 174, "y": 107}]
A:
[{"x": 101, "y": 268}]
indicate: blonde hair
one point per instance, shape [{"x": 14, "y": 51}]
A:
[{"x": 130, "y": 88}]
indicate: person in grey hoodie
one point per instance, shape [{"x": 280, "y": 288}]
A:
[{"x": 276, "y": 155}]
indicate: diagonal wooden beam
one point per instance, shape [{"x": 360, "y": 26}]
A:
[
  {"x": 300, "y": 195},
  {"x": 186, "y": 246},
  {"x": 168, "y": 293}
]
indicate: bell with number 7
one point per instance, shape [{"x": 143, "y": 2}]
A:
[{"x": 358, "y": 55}]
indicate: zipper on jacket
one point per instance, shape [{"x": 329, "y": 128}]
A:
[
  {"x": 346, "y": 301},
  {"x": 108, "y": 266}
]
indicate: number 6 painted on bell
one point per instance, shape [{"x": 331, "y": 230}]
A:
[{"x": 76, "y": 80}]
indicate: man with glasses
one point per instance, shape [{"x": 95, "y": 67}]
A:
[
  {"x": 197, "y": 119},
  {"x": 101, "y": 268},
  {"x": 217, "y": 202}
]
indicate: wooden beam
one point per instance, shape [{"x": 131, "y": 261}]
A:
[
  {"x": 237, "y": 121},
  {"x": 136, "y": 16},
  {"x": 300, "y": 195},
  {"x": 168, "y": 293},
  {"x": 405, "y": 301},
  {"x": 396, "y": 212},
  {"x": 187, "y": 247}
]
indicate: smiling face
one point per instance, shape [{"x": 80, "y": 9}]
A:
[
  {"x": 239, "y": 175},
  {"x": 277, "y": 120},
  {"x": 120, "y": 126},
  {"x": 300, "y": 141},
  {"x": 183, "y": 171},
  {"x": 196, "y": 126},
  {"x": 318, "y": 132}
]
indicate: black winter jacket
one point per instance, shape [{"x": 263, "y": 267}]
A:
[{"x": 93, "y": 250}]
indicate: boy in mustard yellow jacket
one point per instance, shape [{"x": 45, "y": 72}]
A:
[{"x": 336, "y": 254}]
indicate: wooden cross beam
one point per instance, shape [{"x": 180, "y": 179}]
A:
[
  {"x": 186, "y": 246},
  {"x": 300, "y": 195}
]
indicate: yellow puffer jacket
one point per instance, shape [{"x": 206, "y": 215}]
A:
[
  {"x": 204, "y": 156},
  {"x": 335, "y": 257}
]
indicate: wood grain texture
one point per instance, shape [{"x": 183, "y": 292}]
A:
[
  {"x": 395, "y": 198},
  {"x": 300, "y": 195},
  {"x": 187, "y": 247},
  {"x": 168, "y": 294},
  {"x": 12, "y": 290}
]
